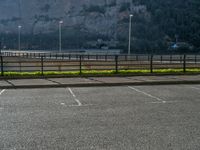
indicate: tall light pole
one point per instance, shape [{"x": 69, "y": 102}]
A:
[
  {"x": 176, "y": 36},
  {"x": 19, "y": 37},
  {"x": 60, "y": 35},
  {"x": 130, "y": 26}
]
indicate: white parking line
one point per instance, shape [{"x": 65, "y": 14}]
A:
[
  {"x": 85, "y": 105},
  {"x": 196, "y": 88},
  {"x": 149, "y": 95},
  {"x": 78, "y": 102},
  {"x": 1, "y": 92}
]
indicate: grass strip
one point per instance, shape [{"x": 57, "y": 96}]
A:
[{"x": 96, "y": 72}]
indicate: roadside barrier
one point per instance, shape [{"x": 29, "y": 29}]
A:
[{"x": 41, "y": 62}]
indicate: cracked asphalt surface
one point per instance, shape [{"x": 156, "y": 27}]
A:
[{"x": 164, "y": 117}]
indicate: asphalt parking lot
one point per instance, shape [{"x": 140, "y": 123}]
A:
[{"x": 164, "y": 117}]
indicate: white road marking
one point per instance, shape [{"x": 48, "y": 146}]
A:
[
  {"x": 81, "y": 105},
  {"x": 1, "y": 92},
  {"x": 147, "y": 94},
  {"x": 78, "y": 102},
  {"x": 157, "y": 102},
  {"x": 164, "y": 102},
  {"x": 196, "y": 88}
]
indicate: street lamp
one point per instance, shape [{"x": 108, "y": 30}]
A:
[
  {"x": 60, "y": 35},
  {"x": 176, "y": 36},
  {"x": 0, "y": 48},
  {"x": 130, "y": 25},
  {"x": 19, "y": 37}
]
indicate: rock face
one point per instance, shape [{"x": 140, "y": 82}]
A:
[
  {"x": 105, "y": 17},
  {"x": 156, "y": 23}
]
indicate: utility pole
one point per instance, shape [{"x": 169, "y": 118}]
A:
[
  {"x": 19, "y": 37},
  {"x": 60, "y": 36},
  {"x": 130, "y": 27}
]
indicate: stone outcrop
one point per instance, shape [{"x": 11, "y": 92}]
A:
[{"x": 106, "y": 17}]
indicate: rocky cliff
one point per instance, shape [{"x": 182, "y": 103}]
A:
[
  {"x": 105, "y": 17},
  {"x": 156, "y": 23}
]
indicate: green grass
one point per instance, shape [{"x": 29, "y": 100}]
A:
[{"x": 99, "y": 73}]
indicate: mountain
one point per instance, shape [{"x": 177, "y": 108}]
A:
[{"x": 156, "y": 23}]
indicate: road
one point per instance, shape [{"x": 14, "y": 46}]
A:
[{"x": 101, "y": 118}]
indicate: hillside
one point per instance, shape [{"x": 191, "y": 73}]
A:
[{"x": 155, "y": 23}]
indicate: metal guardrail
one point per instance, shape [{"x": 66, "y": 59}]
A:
[{"x": 31, "y": 62}]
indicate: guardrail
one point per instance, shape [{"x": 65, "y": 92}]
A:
[{"x": 32, "y": 62}]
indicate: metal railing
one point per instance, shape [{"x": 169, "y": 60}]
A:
[{"x": 43, "y": 62}]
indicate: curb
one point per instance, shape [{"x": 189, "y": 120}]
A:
[
  {"x": 90, "y": 75},
  {"x": 147, "y": 83}
]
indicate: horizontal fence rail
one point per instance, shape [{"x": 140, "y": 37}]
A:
[{"x": 52, "y": 62}]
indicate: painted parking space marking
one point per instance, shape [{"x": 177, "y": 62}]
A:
[
  {"x": 1, "y": 92},
  {"x": 72, "y": 93},
  {"x": 163, "y": 102},
  {"x": 159, "y": 100},
  {"x": 196, "y": 88},
  {"x": 85, "y": 105},
  {"x": 79, "y": 104}
]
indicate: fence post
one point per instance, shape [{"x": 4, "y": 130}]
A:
[
  {"x": 151, "y": 64},
  {"x": 62, "y": 56},
  {"x": 80, "y": 64},
  {"x": 20, "y": 65},
  {"x": 136, "y": 57},
  {"x": 42, "y": 65},
  {"x": 170, "y": 58},
  {"x": 2, "y": 71},
  {"x": 184, "y": 63},
  {"x": 195, "y": 60},
  {"x": 97, "y": 57},
  {"x": 56, "y": 56},
  {"x": 116, "y": 64}
]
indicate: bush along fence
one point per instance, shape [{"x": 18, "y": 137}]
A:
[{"x": 80, "y": 63}]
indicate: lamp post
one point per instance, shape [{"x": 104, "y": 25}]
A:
[
  {"x": 19, "y": 37},
  {"x": 60, "y": 35},
  {"x": 130, "y": 25},
  {"x": 176, "y": 36},
  {"x": 0, "y": 48}
]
